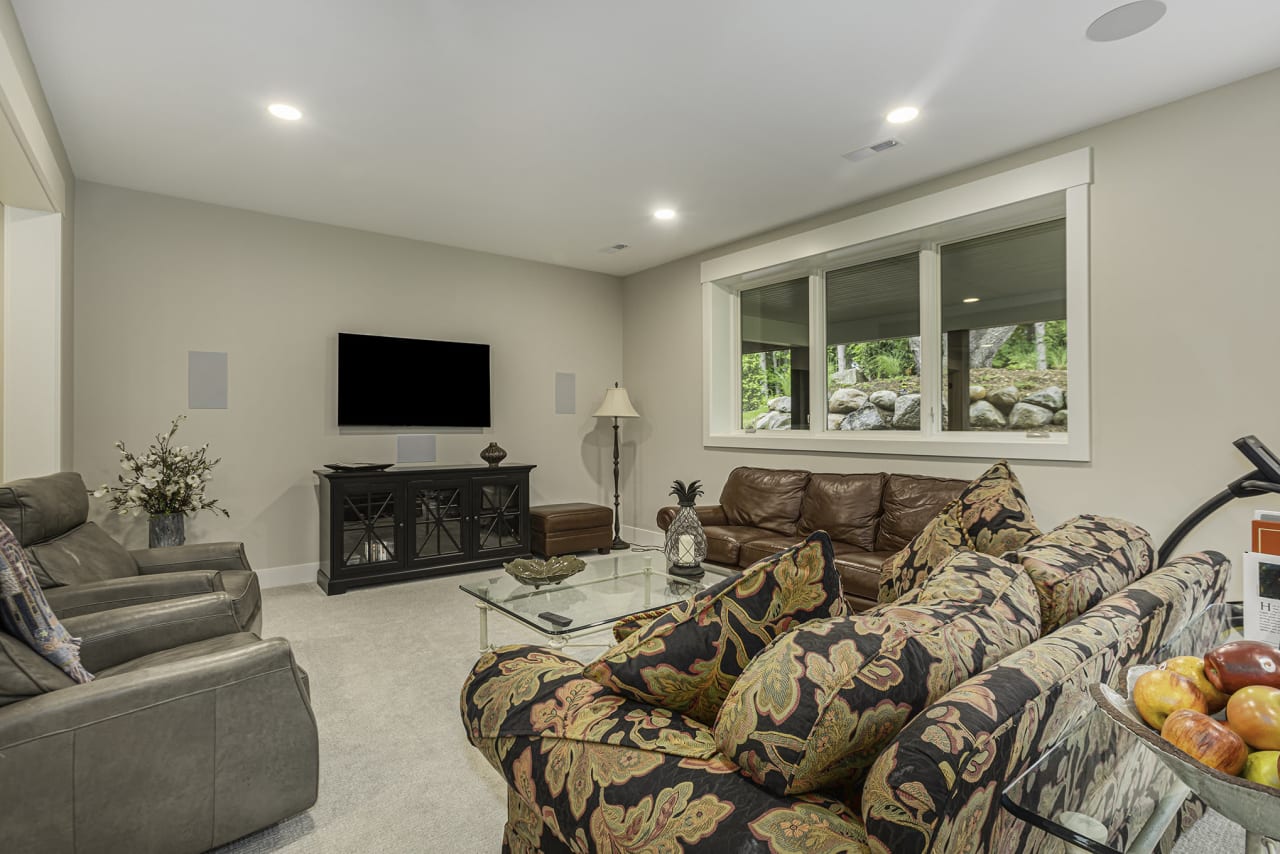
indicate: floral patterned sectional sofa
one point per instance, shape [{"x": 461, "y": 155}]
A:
[{"x": 761, "y": 716}]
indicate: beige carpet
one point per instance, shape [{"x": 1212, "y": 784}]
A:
[{"x": 396, "y": 773}]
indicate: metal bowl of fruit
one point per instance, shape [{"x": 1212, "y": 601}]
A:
[
  {"x": 1214, "y": 721},
  {"x": 539, "y": 572}
]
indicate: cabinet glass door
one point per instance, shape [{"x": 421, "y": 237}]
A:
[
  {"x": 368, "y": 535},
  {"x": 437, "y": 521},
  {"x": 499, "y": 506}
]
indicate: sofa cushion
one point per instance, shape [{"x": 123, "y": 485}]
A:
[
  {"x": 23, "y": 673},
  {"x": 909, "y": 502},
  {"x": 687, "y": 659},
  {"x": 766, "y": 547},
  {"x": 41, "y": 508},
  {"x": 818, "y": 706},
  {"x": 724, "y": 542},
  {"x": 764, "y": 498},
  {"x": 81, "y": 555},
  {"x": 990, "y": 515},
  {"x": 26, "y": 615},
  {"x": 860, "y": 574},
  {"x": 1081, "y": 562},
  {"x": 846, "y": 506}
]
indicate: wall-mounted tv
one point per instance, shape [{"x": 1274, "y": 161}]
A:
[{"x": 410, "y": 382}]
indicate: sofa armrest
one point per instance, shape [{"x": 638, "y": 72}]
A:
[
  {"x": 953, "y": 758},
  {"x": 78, "y": 599},
  {"x": 711, "y": 514},
  {"x": 211, "y": 556},
  {"x": 113, "y": 637}
]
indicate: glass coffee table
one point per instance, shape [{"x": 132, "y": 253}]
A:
[{"x": 608, "y": 589}]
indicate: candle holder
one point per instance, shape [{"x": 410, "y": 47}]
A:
[{"x": 686, "y": 542}]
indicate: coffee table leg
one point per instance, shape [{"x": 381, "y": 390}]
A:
[{"x": 484, "y": 626}]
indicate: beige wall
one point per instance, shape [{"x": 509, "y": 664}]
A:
[
  {"x": 1185, "y": 319},
  {"x": 161, "y": 276}
]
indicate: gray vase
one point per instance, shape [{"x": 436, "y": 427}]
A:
[
  {"x": 166, "y": 529},
  {"x": 493, "y": 455}
]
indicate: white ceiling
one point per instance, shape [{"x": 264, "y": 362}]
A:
[{"x": 549, "y": 129}]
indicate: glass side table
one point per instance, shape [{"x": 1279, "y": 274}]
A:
[{"x": 1099, "y": 789}]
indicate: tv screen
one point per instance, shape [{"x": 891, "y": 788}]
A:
[{"x": 409, "y": 382}]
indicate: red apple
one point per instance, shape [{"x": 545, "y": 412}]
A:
[
  {"x": 1254, "y": 712},
  {"x": 1157, "y": 693},
  {"x": 1192, "y": 667},
  {"x": 1235, "y": 665},
  {"x": 1207, "y": 741}
]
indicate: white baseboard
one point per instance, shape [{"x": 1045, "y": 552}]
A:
[
  {"x": 642, "y": 536},
  {"x": 283, "y": 576}
]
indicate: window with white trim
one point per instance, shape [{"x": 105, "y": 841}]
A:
[{"x": 943, "y": 332}]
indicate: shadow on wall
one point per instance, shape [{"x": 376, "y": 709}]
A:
[{"x": 597, "y": 456}]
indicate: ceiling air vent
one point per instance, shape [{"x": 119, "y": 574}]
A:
[
  {"x": 868, "y": 150},
  {"x": 615, "y": 248}
]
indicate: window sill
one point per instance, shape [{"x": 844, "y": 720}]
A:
[{"x": 1057, "y": 446}]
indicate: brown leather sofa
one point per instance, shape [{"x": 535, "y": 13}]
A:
[{"x": 868, "y": 517}]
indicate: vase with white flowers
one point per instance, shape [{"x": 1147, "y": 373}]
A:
[{"x": 167, "y": 482}]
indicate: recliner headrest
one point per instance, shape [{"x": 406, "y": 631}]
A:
[{"x": 37, "y": 509}]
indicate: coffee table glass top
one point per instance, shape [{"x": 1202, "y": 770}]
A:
[{"x": 609, "y": 589}]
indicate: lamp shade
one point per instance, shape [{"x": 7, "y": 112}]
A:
[{"x": 616, "y": 405}]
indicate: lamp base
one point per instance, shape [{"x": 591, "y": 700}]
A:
[
  {"x": 619, "y": 544},
  {"x": 695, "y": 571}
]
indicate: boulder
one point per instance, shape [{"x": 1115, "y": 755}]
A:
[
  {"x": 884, "y": 398},
  {"x": 906, "y": 412},
  {"x": 1060, "y": 418},
  {"x": 1050, "y": 398},
  {"x": 773, "y": 421},
  {"x": 868, "y": 417},
  {"x": 780, "y": 404},
  {"x": 1003, "y": 398},
  {"x": 845, "y": 400},
  {"x": 1028, "y": 416},
  {"x": 833, "y": 421},
  {"x": 976, "y": 393},
  {"x": 983, "y": 414},
  {"x": 847, "y": 377}
]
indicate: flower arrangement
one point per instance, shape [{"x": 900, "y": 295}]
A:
[{"x": 166, "y": 479}]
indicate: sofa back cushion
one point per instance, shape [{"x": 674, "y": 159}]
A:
[
  {"x": 909, "y": 502},
  {"x": 846, "y": 506},
  {"x": 84, "y": 554},
  {"x": 817, "y": 707},
  {"x": 1081, "y": 562},
  {"x": 688, "y": 658},
  {"x": 41, "y": 508},
  {"x": 991, "y": 515},
  {"x": 25, "y": 674},
  {"x": 764, "y": 498}
]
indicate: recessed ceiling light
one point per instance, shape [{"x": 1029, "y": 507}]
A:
[
  {"x": 902, "y": 115},
  {"x": 664, "y": 213},
  {"x": 1127, "y": 20},
  {"x": 972, "y": 299},
  {"x": 284, "y": 111}
]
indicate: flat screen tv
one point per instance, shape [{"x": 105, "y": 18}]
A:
[{"x": 410, "y": 382}]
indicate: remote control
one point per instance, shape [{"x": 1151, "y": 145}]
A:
[{"x": 555, "y": 619}]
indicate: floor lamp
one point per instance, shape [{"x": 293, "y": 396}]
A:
[{"x": 616, "y": 405}]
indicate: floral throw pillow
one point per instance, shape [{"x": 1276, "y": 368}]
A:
[
  {"x": 816, "y": 708},
  {"x": 26, "y": 614},
  {"x": 688, "y": 658},
  {"x": 990, "y": 516}
]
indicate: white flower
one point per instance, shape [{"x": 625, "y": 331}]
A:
[
  {"x": 193, "y": 480},
  {"x": 124, "y": 511},
  {"x": 170, "y": 489},
  {"x": 208, "y": 476},
  {"x": 100, "y": 491},
  {"x": 126, "y": 465},
  {"x": 147, "y": 482}
]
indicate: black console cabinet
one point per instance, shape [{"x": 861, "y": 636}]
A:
[{"x": 409, "y": 522}]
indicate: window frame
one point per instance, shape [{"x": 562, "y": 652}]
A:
[{"x": 1050, "y": 189}]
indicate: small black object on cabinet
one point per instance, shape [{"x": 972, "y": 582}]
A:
[{"x": 415, "y": 521}]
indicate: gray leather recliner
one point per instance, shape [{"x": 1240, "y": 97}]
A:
[
  {"x": 83, "y": 570},
  {"x": 192, "y": 734}
]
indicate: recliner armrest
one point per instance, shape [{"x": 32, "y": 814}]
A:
[
  {"x": 711, "y": 514},
  {"x": 113, "y": 637},
  {"x": 78, "y": 599},
  {"x": 213, "y": 556}
]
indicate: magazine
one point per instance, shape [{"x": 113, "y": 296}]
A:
[{"x": 1262, "y": 597}]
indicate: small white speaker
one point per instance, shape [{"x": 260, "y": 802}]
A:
[
  {"x": 206, "y": 380},
  {"x": 416, "y": 448},
  {"x": 566, "y": 393}
]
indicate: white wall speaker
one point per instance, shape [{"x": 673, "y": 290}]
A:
[
  {"x": 206, "y": 380},
  {"x": 416, "y": 448},
  {"x": 566, "y": 394}
]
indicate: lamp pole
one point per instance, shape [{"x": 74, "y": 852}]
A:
[
  {"x": 618, "y": 542},
  {"x": 617, "y": 405}
]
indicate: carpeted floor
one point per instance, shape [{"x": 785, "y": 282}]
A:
[{"x": 397, "y": 773}]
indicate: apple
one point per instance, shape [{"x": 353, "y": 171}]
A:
[
  {"x": 1235, "y": 665},
  {"x": 1157, "y": 693},
  {"x": 1263, "y": 766},
  {"x": 1254, "y": 712},
  {"x": 1207, "y": 741},
  {"x": 1192, "y": 667}
]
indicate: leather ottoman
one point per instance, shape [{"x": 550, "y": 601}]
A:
[{"x": 574, "y": 527}]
